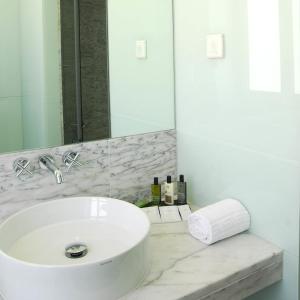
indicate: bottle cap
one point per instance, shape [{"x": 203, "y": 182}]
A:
[
  {"x": 169, "y": 179},
  {"x": 156, "y": 180},
  {"x": 181, "y": 178}
]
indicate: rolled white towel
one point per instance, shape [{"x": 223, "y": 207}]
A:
[{"x": 219, "y": 221}]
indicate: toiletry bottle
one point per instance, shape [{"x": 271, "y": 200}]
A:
[
  {"x": 163, "y": 192},
  {"x": 169, "y": 191},
  {"x": 181, "y": 191},
  {"x": 156, "y": 192}
]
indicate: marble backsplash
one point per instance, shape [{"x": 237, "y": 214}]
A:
[{"x": 120, "y": 168}]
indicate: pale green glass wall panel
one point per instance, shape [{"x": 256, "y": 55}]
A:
[
  {"x": 233, "y": 141},
  {"x": 10, "y": 77},
  {"x": 30, "y": 71},
  {"x": 264, "y": 37},
  {"x": 10, "y": 124},
  {"x": 124, "y": 125},
  {"x": 41, "y": 90},
  {"x": 141, "y": 91},
  {"x": 33, "y": 77},
  {"x": 296, "y": 32},
  {"x": 52, "y": 66}
]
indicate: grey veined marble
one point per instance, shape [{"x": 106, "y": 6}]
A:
[
  {"x": 184, "y": 268},
  {"x": 121, "y": 168}
]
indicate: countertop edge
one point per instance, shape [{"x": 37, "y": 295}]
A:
[
  {"x": 247, "y": 286},
  {"x": 262, "y": 269},
  {"x": 238, "y": 284}
]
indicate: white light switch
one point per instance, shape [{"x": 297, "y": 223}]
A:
[
  {"x": 141, "y": 49},
  {"x": 215, "y": 46}
]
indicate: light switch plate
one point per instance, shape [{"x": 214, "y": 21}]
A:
[
  {"x": 141, "y": 49},
  {"x": 215, "y": 46}
]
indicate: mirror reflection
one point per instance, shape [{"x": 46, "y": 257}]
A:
[{"x": 81, "y": 70}]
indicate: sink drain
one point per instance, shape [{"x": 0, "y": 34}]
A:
[{"x": 76, "y": 251}]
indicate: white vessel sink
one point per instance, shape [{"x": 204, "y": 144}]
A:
[{"x": 73, "y": 249}]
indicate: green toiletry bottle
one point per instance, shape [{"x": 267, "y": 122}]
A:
[{"x": 156, "y": 192}]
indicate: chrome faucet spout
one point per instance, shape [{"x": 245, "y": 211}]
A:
[
  {"x": 59, "y": 177},
  {"x": 47, "y": 162}
]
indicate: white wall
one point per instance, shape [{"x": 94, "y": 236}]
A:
[
  {"x": 234, "y": 141},
  {"x": 141, "y": 91}
]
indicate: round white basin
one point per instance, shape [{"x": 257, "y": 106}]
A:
[{"x": 73, "y": 249}]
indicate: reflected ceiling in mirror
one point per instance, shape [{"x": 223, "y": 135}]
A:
[{"x": 81, "y": 70}]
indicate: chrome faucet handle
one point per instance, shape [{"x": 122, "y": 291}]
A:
[
  {"x": 70, "y": 159},
  {"x": 21, "y": 167}
]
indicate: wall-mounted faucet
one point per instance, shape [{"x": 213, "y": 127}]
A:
[{"x": 47, "y": 162}]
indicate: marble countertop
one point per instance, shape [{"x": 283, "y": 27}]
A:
[{"x": 184, "y": 268}]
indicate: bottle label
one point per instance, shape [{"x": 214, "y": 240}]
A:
[
  {"x": 169, "y": 194},
  {"x": 169, "y": 200}
]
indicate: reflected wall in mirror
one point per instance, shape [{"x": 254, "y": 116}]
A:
[{"x": 81, "y": 70}]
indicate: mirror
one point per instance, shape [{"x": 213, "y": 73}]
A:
[{"x": 82, "y": 70}]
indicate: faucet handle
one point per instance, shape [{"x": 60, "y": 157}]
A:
[
  {"x": 21, "y": 167},
  {"x": 70, "y": 159}
]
